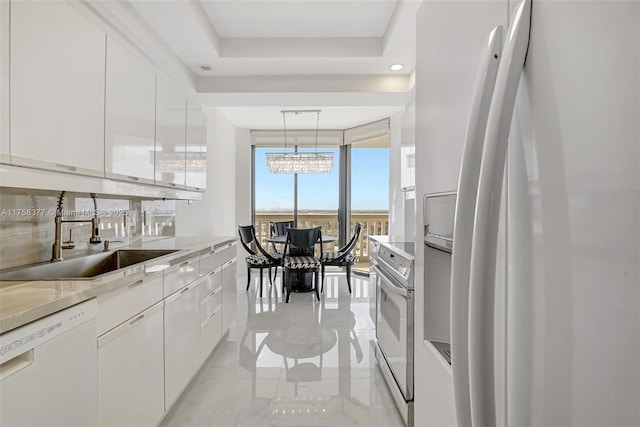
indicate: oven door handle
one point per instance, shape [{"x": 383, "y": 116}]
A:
[{"x": 392, "y": 286}]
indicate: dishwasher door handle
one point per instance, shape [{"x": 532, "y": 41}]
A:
[{"x": 16, "y": 364}]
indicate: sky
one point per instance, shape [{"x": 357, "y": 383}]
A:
[{"x": 319, "y": 192}]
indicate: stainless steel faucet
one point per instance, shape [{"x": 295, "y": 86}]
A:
[{"x": 56, "y": 250}]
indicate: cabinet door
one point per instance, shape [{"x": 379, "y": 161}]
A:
[
  {"x": 182, "y": 340},
  {"x": 171, "y": 122},
  {"x": 196, "y": 158},
  {"x": 229, "y": 294},
  {"x": 57, "y": 87},
  {"x": 130, "y": 115},
  {"x": 5, "y": 148},
  {"x": 131, "y": 371}
]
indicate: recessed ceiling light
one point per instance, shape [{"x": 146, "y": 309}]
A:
[
  {"x": 205, "y": 67},
  {"x": 396, "y": 67}
]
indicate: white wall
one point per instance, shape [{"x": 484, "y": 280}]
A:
[
  {"x": 243, "y": 177},
  {"x": 396, "y": 195},
  {"x": 408, "y": 173},
  {"x": 215, "y": 214}
]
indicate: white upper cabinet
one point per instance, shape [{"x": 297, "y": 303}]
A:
[
  {"x": 196, "y": 168},
  {"x": 5, "y": 148},
  {"x": 171, "y": 121},
  {"x": 130, "y": 111},
  {"x": 57, "y": 88}
]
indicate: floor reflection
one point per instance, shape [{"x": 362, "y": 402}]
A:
[{"x": 298, "y": 364}]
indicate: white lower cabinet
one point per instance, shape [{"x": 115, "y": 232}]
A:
[
  {"x": 149, "y": 348},
  {"x": 131, "y": 371},
  {"x": 210, "y": 312},
  {"x": 229, "y": 293},
  {"x": 181, "y": 340}
]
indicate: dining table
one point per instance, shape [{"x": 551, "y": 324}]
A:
[
  {"x": 282, "y": 239},
  {"x": 301, "y": 282}
]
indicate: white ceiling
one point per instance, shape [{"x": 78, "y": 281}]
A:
[
  {"x": 269, "y": 55},
  {"x": 306, "y": 18},
  {"x": 338, "y": 118}
]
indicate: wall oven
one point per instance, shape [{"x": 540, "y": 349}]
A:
[{"x": 392, "y": 268}]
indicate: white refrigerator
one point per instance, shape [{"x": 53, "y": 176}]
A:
[{"x": 547, "y": 247}]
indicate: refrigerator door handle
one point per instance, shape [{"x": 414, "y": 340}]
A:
[
  {"x": 485, "y": 233},
  {"x": 463, "y": 225}
]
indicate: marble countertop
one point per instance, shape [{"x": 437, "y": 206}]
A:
[{"x": 22, "y": 302}]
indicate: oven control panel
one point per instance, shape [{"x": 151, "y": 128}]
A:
[{"x": 400, "y": 262}]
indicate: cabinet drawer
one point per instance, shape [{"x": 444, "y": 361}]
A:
[
  {"x": 210, "y": 282},
  {"x": 227, "y": 252},
  {"x": 210, "y": 333},
  {"x": 209, "y": 261},
  {"x": 210, "y": 304},
  {"x": 179, "y": 276},
  {"x": 124, "y": 302},
  {"x": 229, "y": 293}
]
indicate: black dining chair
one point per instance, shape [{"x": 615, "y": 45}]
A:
[
  {"x": 343, "y": 257},
  {"x": 299, "y": 256},
  {"x": 261, "y": 259},
  {"x": 278, "y": 228}
]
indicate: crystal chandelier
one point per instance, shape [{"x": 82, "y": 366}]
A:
[{"x": 300, "y": 162}]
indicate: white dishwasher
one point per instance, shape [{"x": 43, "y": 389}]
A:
[{"x": 48, "y": 370}]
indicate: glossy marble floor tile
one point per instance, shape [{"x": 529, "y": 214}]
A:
[{"x": 305, "y": 363}]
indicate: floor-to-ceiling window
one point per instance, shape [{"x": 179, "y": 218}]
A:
[
  {"x": 367, "y": 182},
  {"x": 369, "y": 193},
  {"x": 274, "y": 194},
  {"x": 318, "y": 200},
  {"x": 355, "y": 190},
  {"x": 308, "y": 199}
]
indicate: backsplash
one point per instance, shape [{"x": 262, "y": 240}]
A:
[{"x": 27, "y": 223}]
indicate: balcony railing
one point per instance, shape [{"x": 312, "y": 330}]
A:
[{"x": 375, "y": 224}]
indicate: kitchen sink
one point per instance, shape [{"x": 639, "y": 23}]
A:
[{"x": 85, "y": 267}]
